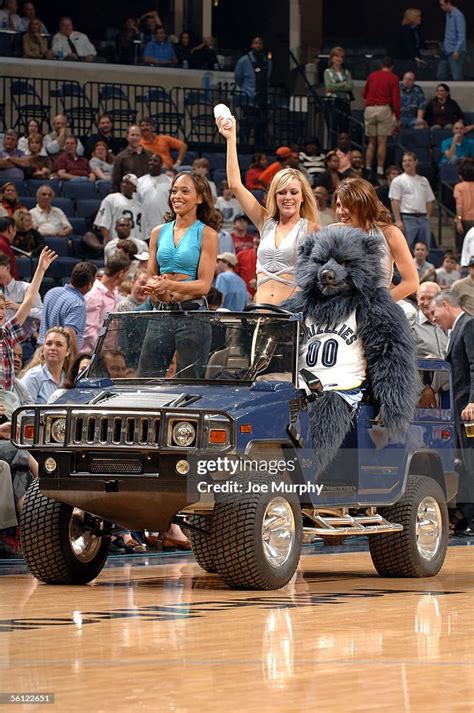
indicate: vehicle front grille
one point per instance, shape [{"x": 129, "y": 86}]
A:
[
  {"x": 115, "y": 467},
  {"x": 114, "y": 429}
]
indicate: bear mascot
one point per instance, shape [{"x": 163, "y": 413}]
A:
[{"x": 354, "y": 334}]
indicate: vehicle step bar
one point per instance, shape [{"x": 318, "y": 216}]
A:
[{"x": 350, "y": 525}]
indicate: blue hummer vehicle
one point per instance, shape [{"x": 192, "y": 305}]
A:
[{"x": 222, "y": 445}]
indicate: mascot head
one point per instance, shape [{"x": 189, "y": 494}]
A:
[{"x": 339, "y": 261}]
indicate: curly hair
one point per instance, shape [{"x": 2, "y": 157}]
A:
[{"x": 205, "y": 211}]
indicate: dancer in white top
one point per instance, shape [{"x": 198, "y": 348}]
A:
[
  {"x": 290, "y": 215},
  {"x": 357, "y": 205}
]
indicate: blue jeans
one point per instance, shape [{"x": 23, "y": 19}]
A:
[
  {"x": 416, "y": 229},
  {"x": 189, "y": 336},
  {"x": 450, "y": 68}
]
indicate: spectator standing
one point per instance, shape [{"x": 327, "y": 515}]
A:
[
  {"x": 105, "y": 134},
  {"x": 464, "y": 197},
  {"x": 458, "y": 147},
  {"x": 410, "y": 40},
  {"x": 153, "y": 191},
  {"x": 70, "y": 166},
  {"x": 11, "y": 331},
  {"x": 134, "y": 159},
  {"x": 412, "y": 103},
  {"x": 240, "y": 236},
  {"x": 101, "y": 163},
  {"x": 326, "y": 215},
  {"x": 252, "y": 76},
  {"x": 382, "y": 110},
  {"x": 426, "y": 270},
  {"x": 162, "y": 144},
  {"x": 55, "y": 140},
  {"x": 48, "y": 219},
  {"x": 454, "y": 43},
  {"x": 431, "y": 340},
  {"x": 159, "y": 51},
  {"x": 285, "y": 156},
  {"x": 331, "y": 177},
  {"x": 228, "y": 205},
  {"x": 123, "y": 227},
  {"x": 72, "y": 45},
  {"x": 442, "y": 111},
  {"x": 35, "y": 45},
  {"x": 448, "y": 273},
  {"x": 230, "y": 284},
  {"x": 412, "y": 202},
  {"x": 125, "y": 42},
  {"x": 460, "y": 354},
  {"x": 101, "y": 299},
  {"x": 29, "y": 14},
  {"x": 12, "y": 160},
  {"x": 467, "y": 248},
  {"x": 66, "y": 307},
  {"x": 464, "y": 289},
  {"x": 7, "y": 235},
  {"x": 122, "y": 204},
  {"x": 339, "y": 86},
  {"x": 312, "y": 159}
]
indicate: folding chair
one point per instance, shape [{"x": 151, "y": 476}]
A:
[
  {"x": 114, "y": 102},
  {"x": 28, "y": 104},
  {"x": 76, "y": 105},
  {"x": 162, "y": 110}
]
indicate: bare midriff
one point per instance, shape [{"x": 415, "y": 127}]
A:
[{"x": 273, "y": 292}]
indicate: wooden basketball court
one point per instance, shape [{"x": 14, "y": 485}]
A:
[{"x": 158, "y": 634}]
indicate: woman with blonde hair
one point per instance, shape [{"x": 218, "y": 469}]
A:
[
  {"x": 410, "y": 40},
  {"x": 49, "y": 366},
  {"x": 357, "y": 205},
  {"x": 290, "y": 215}
]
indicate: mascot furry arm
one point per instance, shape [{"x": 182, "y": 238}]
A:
[{"x": 339, "y": 274}]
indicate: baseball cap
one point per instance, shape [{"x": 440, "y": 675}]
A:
[
  {"x": 228, "y": 257},
  {"x": 284, "y": 152},
  {"x": 142, "y": 256},
  {"x": 131, "y": 178}
]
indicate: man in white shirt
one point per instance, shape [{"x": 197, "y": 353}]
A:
[
  {"x": 412, "y": 202},
  {"x": 153, "y": 191},
  {"x": 47, "y": 219},
  {"x": 71, "y": 45},
  {"x": 118, "y": 205},
  {"x": 9, "y": 14},
  {"x": 29, "y": 13},
  {"x": 123, "y": 227}
]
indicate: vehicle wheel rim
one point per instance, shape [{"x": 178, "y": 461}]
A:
[
  {"x": 278, "y": 532},
  {"x": 84, "y": 543},
  {"x": 429, "y": 528}
]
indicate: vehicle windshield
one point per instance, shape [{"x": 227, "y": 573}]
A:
[{"x": 197, "y": 346}]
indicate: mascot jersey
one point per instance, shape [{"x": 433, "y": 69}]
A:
[{"x": 335, "y": 356}]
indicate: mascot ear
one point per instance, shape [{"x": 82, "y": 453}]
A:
[{"x": 304, "y": 251}]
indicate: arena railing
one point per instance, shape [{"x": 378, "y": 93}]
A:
[{"x": 185, "y": 112}]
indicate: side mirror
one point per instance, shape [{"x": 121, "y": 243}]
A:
[{"x": 310, "y": 384}]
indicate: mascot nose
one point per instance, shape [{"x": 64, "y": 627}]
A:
[{"x": 328, "y": 276}]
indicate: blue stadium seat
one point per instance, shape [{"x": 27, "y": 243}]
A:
[
  {"x": 35, "y": 183},
  {"x": 259, "y": 195},
  {"x": 27, "y": 201},
  {"x": 76, "y": 246},
  {"x": 79, "y": 190},
  {"x": 218, "y": 175},
  {"x": 26, "y": 267},
  {"x": 79, "y": 225},
  {"x": 59, "y": 245},
  {"x": 192, "y": 155},
  {"x": 245, "y": 159},
  {"x": 86, "y": 208},
  {"x": 439, "y": 135},
  {"x": 65, "y": 204},
  {"x": 449, "y": 174},
  {"x": 62, "y": 267},
  {"x": 415, "y": 138},
  {"x": 103, "y": 188},
  {"x": 216, "y": 160},
  {"x": 436, "y": 257}
]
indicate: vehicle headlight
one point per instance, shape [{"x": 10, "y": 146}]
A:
[
  {"x": 27, "y": 430},
  {"x": 58, "y": 430},
  {"x": 184, "y": 433}
]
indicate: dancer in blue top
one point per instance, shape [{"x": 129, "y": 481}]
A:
[{"x": 183, "y": 254}]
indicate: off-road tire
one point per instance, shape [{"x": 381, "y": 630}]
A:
[
  {"x": 201, "y": 543},
  {"x": 397, "y": 554},
  {"x": 237, "y": 536},
  {"x": 46, "y": 543}
]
